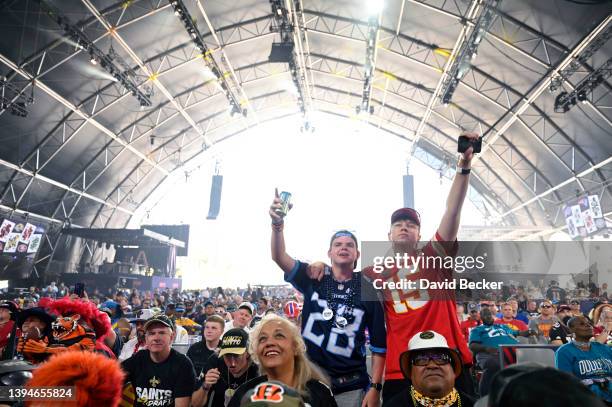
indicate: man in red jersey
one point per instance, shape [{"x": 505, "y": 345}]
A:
[
  {"x": 472, "y": 322},
  {"x": 408, "y": 312}
]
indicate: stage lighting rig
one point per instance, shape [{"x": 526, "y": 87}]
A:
[
  {"x": 14, "y": 100},
  {"x": 285, "y": 51},
  {"x": 581, "y": 59},
  {"x": 97, "y": 56},
  {"x": 463, "y": 62},
  {"x": 183, "y": 14},
  {"x": 375, "y": 8},
  {"x": 565, "y": 101}
]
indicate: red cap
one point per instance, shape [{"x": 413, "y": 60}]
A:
[{"x": 406, "y": 213}]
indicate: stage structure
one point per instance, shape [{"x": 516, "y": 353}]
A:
[{"x": 122, "y": 258}]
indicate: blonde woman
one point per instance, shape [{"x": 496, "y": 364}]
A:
[{"x": 276, "y": 345}]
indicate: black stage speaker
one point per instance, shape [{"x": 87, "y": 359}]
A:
[
  {"x": 408, "y": 191},
  {"x": 281, "y": 52},
  {"x": 215, "y": 196}
]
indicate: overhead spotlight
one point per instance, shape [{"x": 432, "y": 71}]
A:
[
  {"x": 463, "y": 69},
  {"x": 371, "y": 109},
  {"x": 374, "y": 7},
  {"x": 93, "y": 60},
  {"x": 561, "y": 103},
  {"x": 152, "y": 139},
  {"x": 582, "y": 96}
]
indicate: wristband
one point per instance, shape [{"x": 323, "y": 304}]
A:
[
  {"x": 376, "y": 386},
  {"x": 463, "y": 171}
]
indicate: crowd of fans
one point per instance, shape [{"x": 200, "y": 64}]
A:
[
  {"x": 307, "y": 344},
  {"x": 233, "y": 339}
]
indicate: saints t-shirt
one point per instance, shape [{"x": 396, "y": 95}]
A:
[
  {"x": 158, "y": 384},
  {"x": 199, "y": 354}
]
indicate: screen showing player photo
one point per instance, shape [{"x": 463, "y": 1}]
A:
[
  {"x": 12, "y": 242},
  {"x": 28, "y": 230},
  {"x": 34, "y": 243},
  {"x": 5, "y": 230}
]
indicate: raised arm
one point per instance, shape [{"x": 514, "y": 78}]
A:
[
  {"x": 449, "y": 226},
  {"x": 279, "y": 254}
]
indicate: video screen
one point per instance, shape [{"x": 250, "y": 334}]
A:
[
  {"x": 584, "y": 217},
  {"x": 20, "y": 241}
]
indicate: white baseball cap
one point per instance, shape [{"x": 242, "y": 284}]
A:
[
  {"x": 248, "y": 306},
  {"x": 428, "y": 340}
]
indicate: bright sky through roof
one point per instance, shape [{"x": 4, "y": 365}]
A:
[{"x": 345, "y": 175}]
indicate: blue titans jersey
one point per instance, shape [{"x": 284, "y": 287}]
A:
[{"x": 340, "y": 352}]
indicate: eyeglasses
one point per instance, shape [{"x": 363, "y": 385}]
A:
[
  {"x": 546, "y": 306},
  {"x": 439, "y": 358}
]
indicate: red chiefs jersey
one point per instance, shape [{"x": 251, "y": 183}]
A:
[{"x": 408, "y": 312}]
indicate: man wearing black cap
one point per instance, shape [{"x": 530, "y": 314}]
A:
[
  {"x": 226, "y": 372},
  {"x": 560, "y": 333},
  {"x": 160, "y": 375},
  {"x": 207, "y": 310},
  {"x": 138, "y": 342},
  {"x": 34, "y": 323}
]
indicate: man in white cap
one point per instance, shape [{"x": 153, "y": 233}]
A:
[
  {"x": 242, "y": 317},
  {"x": 137, "y": 342},
  {"x": 432, "y": 367}
]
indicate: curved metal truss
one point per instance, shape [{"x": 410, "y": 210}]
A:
[{"x": 152, "y": 168}]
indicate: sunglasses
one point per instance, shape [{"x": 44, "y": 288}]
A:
[
  {"x": 423, "y": 359},
  {"x": 546, "y": 306}
]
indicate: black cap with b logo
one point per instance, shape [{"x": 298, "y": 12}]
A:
[{"x": 235, "y": 342}]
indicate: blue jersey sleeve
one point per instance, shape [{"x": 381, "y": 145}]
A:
[
  {"x": 298, "y": 278},
  {"x": 375, "y": 319}
]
